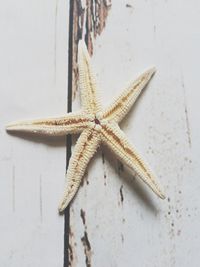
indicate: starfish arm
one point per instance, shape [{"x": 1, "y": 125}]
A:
[
  {"x": 71, "y": 123},
  {"x": 85, "y": 148},
  {"x": 120, "y": 107},
  {"x": 87, "y": 81},
  {"x": 115, "y": 139}
]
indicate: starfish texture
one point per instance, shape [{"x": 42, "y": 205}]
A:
[{"x": 96, "y": 126}]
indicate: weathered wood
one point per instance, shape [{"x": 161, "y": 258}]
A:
[{"x": 114, "y": 220}]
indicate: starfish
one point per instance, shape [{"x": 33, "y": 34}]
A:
[{"x": 97, "y": 126}]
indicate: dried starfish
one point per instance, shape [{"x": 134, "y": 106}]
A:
[{"x": 96, "y": 126}]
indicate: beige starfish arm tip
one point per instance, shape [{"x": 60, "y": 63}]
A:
[
  {"x": 82, "y": 47},
  {"x": 9, "y": 127},
  {"x": 61, "y": 207},
  {"x": 119, "y": 144},
  {"x": 152, "y": 69},
  {"x": 149, "y": 179},
  {"x": 68, "y": 195},
  {"x": 156, "y": 189},
  {"x": 147, "y": 176},
  {"x": 147, "y": 75},
  {"x": 13, "y": 126},
  {"x": 71, "y": 123},
  {"x": 87, "y": 82},
  {"x": 122, "y": 104},
  {"x": 84, "y": 150},
  {"x": 162, "y": 195}
]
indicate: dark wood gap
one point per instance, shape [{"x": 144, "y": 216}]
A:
[{"x": 69, "y": 138}]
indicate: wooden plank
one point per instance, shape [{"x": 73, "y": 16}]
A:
[
  {"x": 34, "y": 43},
  {"x": 115, "y": 220}
]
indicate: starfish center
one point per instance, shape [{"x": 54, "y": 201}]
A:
[{"x": 96, "y": 121}]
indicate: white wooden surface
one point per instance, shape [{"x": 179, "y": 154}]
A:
[
  {"x": 133, "y": 229},
  {"x": 33, "y": 82}
]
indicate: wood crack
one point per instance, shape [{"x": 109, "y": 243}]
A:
[{"x": 85, "y": 241}]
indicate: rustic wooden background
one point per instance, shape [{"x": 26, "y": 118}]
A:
[{"x": 115, "y": 220}]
